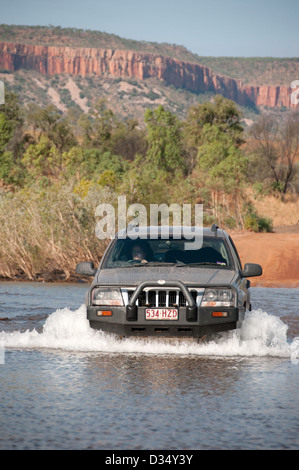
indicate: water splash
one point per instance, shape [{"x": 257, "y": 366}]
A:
[{"x": 261, "y": 334}]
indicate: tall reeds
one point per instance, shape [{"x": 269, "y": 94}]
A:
[{"x": 45, "y": 233}]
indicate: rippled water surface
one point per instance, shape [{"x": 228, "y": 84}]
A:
[{"x": 65, "y": 386}]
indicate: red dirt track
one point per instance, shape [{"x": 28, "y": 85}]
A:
[{"x": 278, "y": 253}]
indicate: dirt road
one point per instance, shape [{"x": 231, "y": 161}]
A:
[{"x": 278, "y": 253}]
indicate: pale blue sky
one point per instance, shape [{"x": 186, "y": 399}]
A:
[{"x": 253, "y": 28}]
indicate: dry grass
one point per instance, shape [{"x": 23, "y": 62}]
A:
[
  {"x": 45, "y": 234},
  {"x": 282, "y": 213}
]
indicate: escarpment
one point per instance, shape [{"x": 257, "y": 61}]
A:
[{"x": 191, "y": 76}]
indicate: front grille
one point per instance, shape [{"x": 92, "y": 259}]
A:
[{"x": 162, "y": 297}]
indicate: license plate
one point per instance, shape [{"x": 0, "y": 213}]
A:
[{"x": 161, "y": 314}]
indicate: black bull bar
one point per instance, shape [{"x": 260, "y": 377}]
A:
[{"x": 191, "y": 310}]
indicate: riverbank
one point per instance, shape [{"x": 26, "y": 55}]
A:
[{"x": 277, "y": 253}]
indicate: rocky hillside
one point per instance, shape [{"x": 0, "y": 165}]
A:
[
  {"x": 53, "y": 52},
  {"x": 51, "y": 60}
]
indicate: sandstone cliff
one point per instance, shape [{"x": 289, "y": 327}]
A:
[{"x": 124, "y": 63}]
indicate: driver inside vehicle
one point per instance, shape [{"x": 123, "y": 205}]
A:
[{"x": 138, "y": 254}]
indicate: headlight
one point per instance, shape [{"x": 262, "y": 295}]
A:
[
  {"x": 107, "y": 296},
  {"x": 218, "y": 298}
]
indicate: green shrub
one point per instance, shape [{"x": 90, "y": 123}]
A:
[{"x": 255, "y": 223}]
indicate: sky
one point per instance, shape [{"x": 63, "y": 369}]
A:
[{"x": 235, "y": 28}]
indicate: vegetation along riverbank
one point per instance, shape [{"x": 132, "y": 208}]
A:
[{"x": 55, "y": 169}]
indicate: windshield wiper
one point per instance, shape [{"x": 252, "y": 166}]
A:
[
  {"x": 205, "y": 263},
  {"x": 150, "y": 263},
  {"x": 158, "y": 263}
]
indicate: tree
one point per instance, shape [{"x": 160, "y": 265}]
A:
[
  {"x": 275, "y": 149},
  {"x": 221, "y": 113},
  {"x": 128, "y": 140},
  {"x": 6, "y": 157},
  {"x": 13, "y": 140},
  {"x": 289, "y": 151},
  {"x": 6, "y": 131},
  {"x": 164, "y": 138},
  {"x": 42, "y": 159},
  {"x": 11, "y": 110},
  {"x": 49, "y": 122},
  {"x": 10, "y": 124},
  {"x": 90, "y": 162},
  {"x": 97, "y": 127},
  {"x": 6, "y": 166},
  {"x": 224, "y": 167}
]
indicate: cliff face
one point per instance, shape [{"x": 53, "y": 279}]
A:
[{"x": 121, "y": 63}]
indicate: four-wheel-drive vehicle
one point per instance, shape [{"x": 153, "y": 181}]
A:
[{"x": 160, "y": 285}]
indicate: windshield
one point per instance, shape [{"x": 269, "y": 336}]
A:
[{"x": 127, "y": 252}]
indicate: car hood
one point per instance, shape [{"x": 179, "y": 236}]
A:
[{"x": 190, "y": 275}]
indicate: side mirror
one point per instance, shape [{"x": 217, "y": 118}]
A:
[
  {"x": 251, "y": 270},
  {"x": 86, "y": 268}
]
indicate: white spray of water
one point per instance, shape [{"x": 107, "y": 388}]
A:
[{"x": 261, "y": 334}]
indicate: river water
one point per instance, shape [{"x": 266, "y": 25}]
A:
[{"x": 65, "y": 386}]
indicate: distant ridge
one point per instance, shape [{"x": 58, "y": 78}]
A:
[
  {"x": 54, "y": 50},
  {"x": 251, "y": 70}
]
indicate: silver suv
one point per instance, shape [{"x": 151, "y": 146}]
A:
[{"x": 161, "y": 286}]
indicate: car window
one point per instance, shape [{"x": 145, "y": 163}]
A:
[{"x": 127, "y": 252}]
